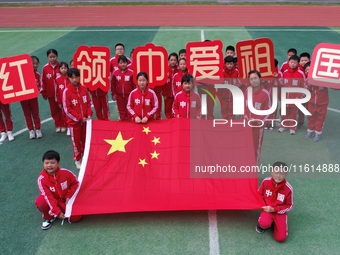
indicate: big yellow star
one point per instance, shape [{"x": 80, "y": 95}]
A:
[
  {"x": 154, "y": 155},
  {"x": 142, "y": 162},
  {"x": 146, "y": 130},
  {"x": 117, "y": 144},
  {"x": 156, "y": 140}
]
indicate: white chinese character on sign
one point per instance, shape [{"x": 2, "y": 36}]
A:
[
  {"x": 205, "y": 61},
  {"x": 332, "y": 65},
  {"x": 99, "y": 67},
  {"x": 84, "y": 68}
]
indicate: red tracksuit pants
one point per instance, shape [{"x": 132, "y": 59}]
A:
[
  {"x": 122, "y": 102},
  {"x": 258, "y": 133},
  {"x": 291, "y": 114},
  {"x": 226, "y": 109},
  {"x": 168, "y": 102},
  {"x": 56, "y": 113},
  {"x": 78, "y": 136},
  {"x": 318, "y": 117},
  {"x": 6, "y": 110},
  {"x": 44, "y": 208},
  {"x": 30, "y": 109},
  {"x": 101, "y": 106},
  {"x": 280, "y": 222}
]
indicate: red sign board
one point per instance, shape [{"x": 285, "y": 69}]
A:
[
  {"x": 17, "y": 80},
  {"x": 205, "y": 59},
  {"x": 325, "y": 66},
  {"x": 257, "y": 55},
  {"x": 153, "y": 60},
  {"x": 93, "y": 63}
]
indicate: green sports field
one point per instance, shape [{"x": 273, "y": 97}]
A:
[{"x": 313, "y": 224}]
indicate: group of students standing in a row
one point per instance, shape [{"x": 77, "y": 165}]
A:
[{"x": 70, "y": 109}]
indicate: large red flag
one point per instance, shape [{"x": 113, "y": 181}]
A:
[{"x": 131, "y": 167}]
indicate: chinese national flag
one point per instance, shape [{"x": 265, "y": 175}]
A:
[{"x": 130, "y": 167}]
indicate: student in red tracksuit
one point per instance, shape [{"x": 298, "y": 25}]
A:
[
  {"x": 317, "y": 106},
  {"x": 121, "y": 87},
  {"x": 30, "y": 107},
  {"x": 295, "y": 78},
  {"x": 277, "y": 194},
  {"x": 285, "y": 65},
  {"x": 77, "y": 107},
  {"x": 177, "y": 78},
  {"x": 119, "y": 51},
  {"x": 56, "y": 186},
  {"x": 167, "y": 88},
  {"x": 142, "y": 102},
  {"x": 49, "y": 74},
  {"x": 187, "y": 103},
  {"x": 230, "y": 74},
  {"x": 62, "y": 82},
  {"x": 260, "y": 101},
  {"x": 6, "y": 126}
]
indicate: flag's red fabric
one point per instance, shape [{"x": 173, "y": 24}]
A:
[{"x": 131, "y": 167}]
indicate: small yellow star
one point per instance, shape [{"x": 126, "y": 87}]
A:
[
  {"x": 156, "y": 140},
  {"x": 146, "y": 130},
  {"x": 117, "y": 144},
  {"x": 142, "y": 162},
  {"x": 154, "y": 155}
]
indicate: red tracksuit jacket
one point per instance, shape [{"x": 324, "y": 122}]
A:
[
  {"x": 167, "y": 88},
  {"x": 319, "y": 95},
  {"x": 261, "y": 101},
  {"x": 122, "y": 82},
  {"x": 114, "y": 63},
  {"x": 142, "y": 104},
  {"x": 76, "y": 103},
  {"x": 177, "y": 82},
  {"x": 230, "y": 77},
  {"x": 57, "y": 187},
  {"x": 284, "y": 198},
  {"x": 48, "y": 80},
  {"x": 62, "y": 82},
  {"x": 187, "y": 105},
  {"x": 293, "y": 79}
]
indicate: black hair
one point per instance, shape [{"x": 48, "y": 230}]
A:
[
  {"x": 55, "y": 52},
  {"x": 173, "y": 54},
  {"x": 144, "y": 74},
  {"x": 188, "y": 78},
  {"x": 235, "y": 60},
  {"x": 73, "y": 71},
  {"x": 294, "y": 57},
  {"x": 306, "y": 65},
  {"x": 182, "y": 51},
  {"x": 256, "y": 72},
  {"x": 280, "y": 164},
  {"x": 122, "y": 58},
  {"x": 120, "y": 44},
  {"x": 35, "y": 57},
  {"x": 228, "y": 59},
  {"x": 63, "y": 64},
  {"x": 51, "y": 154},
  {"x": 230, "y": 47},
  {"x": 276, "y": 63},
  {"x": 305, "y": 54},
  {"x": 292, "y": 50}
]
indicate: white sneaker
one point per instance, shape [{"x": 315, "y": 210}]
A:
[
  {"x": 3, "y": 137},
  {"x": 38, "y": 133},
  {"x": 68, "y": 132},
  {"x": 281, "y": 130},
  {"x": 10, "y": 136},
  {"x": 63, "y": 129},
  {"x": 292, "y": 132},
  {"x": 58, "y": 130},
  {"x": 31, "y": 134},
  {"x": 78, "y": 164}
]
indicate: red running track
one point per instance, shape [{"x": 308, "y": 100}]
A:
[{"x": 173, "y": 15}]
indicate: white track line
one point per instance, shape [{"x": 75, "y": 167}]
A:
[
  {"x": 213, "y": 234},
  {"x": 202, "y": 35}
]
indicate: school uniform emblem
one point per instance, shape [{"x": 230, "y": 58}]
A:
[
  {"x": 295, "y": 82},
  {"x": 84, "y": 99},
  {"x": 63, "y": 185},
  {"x": 147, "y": 101},
  {"x": 268, "y": 193},
  {"x": 280, "y": 197},
  {"x": 258, "y": 106},
  {"x": 193, "y": 104},
  {"x": 126, "y": 78}
]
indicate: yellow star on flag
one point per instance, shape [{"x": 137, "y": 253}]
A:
[
  {"x": 156, "y": 140},
  {"x": 146, "y": 130},
  {"x": 142, "y": 162},
  {"x": 154, "y": 155},
  {"x": 117, "y": 144}
]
